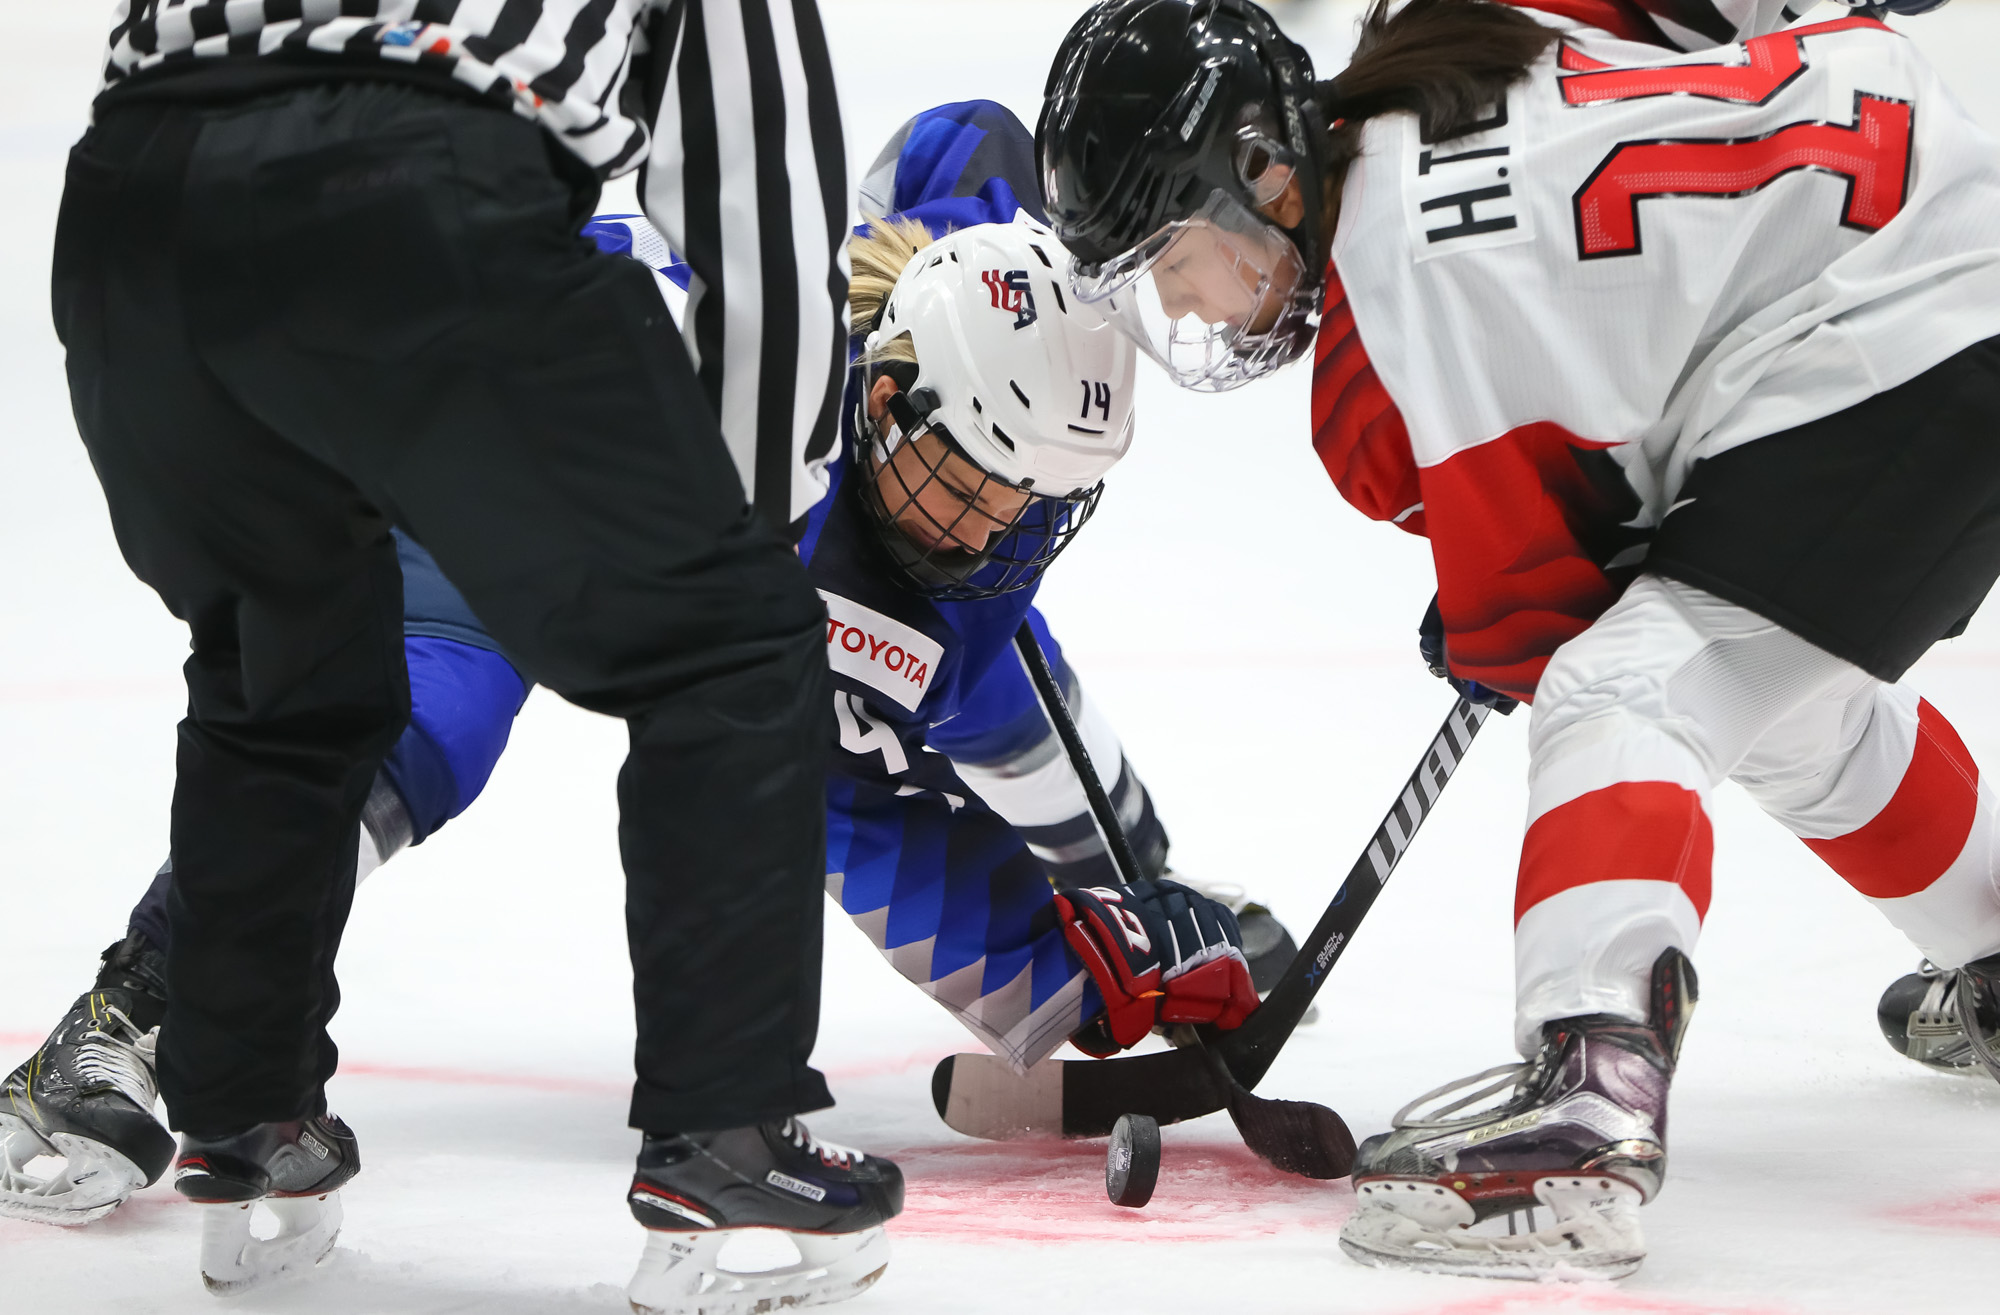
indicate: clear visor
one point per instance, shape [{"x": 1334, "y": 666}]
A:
[{"x": 1218, "y": 298}]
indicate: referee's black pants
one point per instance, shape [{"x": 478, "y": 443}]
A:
[{"x": 294, "y": 319}]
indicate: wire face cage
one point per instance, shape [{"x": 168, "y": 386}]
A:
[{"x": 954, "y": 531}]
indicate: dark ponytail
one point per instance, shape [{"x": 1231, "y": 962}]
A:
[{"x": 1447, "y": 61}]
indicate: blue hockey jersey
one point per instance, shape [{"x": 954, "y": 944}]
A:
[{"x": 951, "y": 806}]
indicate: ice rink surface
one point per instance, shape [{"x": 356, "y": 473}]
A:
[{"x": 1251, "y": 637}]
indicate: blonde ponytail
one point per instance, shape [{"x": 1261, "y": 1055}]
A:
[{"x": 878, "y": 258}]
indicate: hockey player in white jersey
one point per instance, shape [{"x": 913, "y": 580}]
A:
[{"x": 1675, "y": 335}]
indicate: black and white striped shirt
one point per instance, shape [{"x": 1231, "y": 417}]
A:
[{"x": 728, "y": 108}]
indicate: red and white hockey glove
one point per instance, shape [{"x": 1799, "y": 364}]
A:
[{"x": 1159, "y": 953}]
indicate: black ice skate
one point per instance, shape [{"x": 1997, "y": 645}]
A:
[
  {"x": 77, "y": 1131},
  {"x": 1923, "y": 1017},
  {"x": 698, "y": 1192},
  {"x": 296, "y": 1169},
  {"x": 1548, "y": 1181}
]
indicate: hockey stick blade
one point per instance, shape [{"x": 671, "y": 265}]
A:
[
  {"x": 980, "y": 1096},
  {"x": 1294, "y": 1136},
  {"x": 1083, "y": 1098}
]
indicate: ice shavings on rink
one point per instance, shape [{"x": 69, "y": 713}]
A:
[
  {"x": 1261, "y": 667},
  {"x": 1052, "y": 1193}
]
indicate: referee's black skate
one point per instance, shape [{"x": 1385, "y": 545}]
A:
[
  {"x": 697, "y": 1192},
  {"x": 77, "y": 1130},
  {"x": 295, "y": 1169},
  {"x": 1923, "y": 1015},
  {"x": 1538, "y": 1173}
]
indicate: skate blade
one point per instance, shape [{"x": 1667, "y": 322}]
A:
[
  {"x": 679, "y": 1275},
  {"x": 233, "y": 1262},
  {"x": 92, "y": 1181},
  {"x": 1589, "y": 1229}
]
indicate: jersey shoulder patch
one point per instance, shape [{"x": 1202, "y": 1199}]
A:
[{"x": 879, "y": 651}]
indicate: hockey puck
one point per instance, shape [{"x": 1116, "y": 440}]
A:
[{"x": 1132, "y": 1164}]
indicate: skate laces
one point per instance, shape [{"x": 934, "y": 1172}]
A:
[
  {"x": 1965, "y": 991},
  {"x": 1477, "y": 1101},
  {"x": 831, "y": 1154},
  {"x": 1946, "y": 1027},
  {"x": 118, "y": 1058}
]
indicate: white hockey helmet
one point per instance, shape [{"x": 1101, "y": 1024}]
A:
[
  {"x": 1013, "y": 374},
  {"x": 1033, "y": 385}
]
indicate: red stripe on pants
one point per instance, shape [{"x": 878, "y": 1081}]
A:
[
  {"x": 1923, "y": 827},
  {"x": 1632, "y": 831}
]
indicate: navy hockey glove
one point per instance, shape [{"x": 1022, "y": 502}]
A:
[
  {"x": 1159, "y": 953},
  {"x": 1430, "y": 643}
]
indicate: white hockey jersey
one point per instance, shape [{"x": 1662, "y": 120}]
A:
[
  {"x": 1533, "y": 329},
  {"x": 1672, "y": 24}
]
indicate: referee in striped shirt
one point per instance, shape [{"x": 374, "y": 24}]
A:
[{"x": 318, "y": 272}]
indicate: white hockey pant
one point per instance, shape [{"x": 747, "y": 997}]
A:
[{"x": 1639, "y": 717}]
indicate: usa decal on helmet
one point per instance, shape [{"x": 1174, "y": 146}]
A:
[{"x": 1011, "y": 292}]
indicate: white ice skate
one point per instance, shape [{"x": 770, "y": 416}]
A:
[
  {"x": 235, "y": 1260},
  {"x": 1585, "y": 1227},
  {"x": 66, "y": 1180},
  {"x": 685, "y": 1273}
]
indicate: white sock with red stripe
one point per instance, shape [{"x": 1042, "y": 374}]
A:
[{"x": 1674, "y": 690}]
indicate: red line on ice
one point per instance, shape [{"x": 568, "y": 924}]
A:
[
  {"x": 460, "y": 1077},
  {"x": 1977, "y": 1213},
  {"x": 54, "y": 691},
  {"x": 465, "y": 1077},
  {"x": 1592, "y": 1299}
]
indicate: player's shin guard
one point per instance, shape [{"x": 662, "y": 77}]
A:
[
  {"x": 1609, "y": 882},
  {"x": 1898, "y": 809},
  {"x": 1533, "y": 1170},
  {"x": 1910, "y": 824}
]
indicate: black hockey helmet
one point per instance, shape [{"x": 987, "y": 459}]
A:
[{"x": 1162, "y": 112}]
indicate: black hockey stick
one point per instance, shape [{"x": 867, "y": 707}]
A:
[
  {"x": 981, "y": 1097},
  {"x": 1295, "y": 1136}
]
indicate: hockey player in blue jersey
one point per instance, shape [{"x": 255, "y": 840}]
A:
[{"x": 980, "y": 416}]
